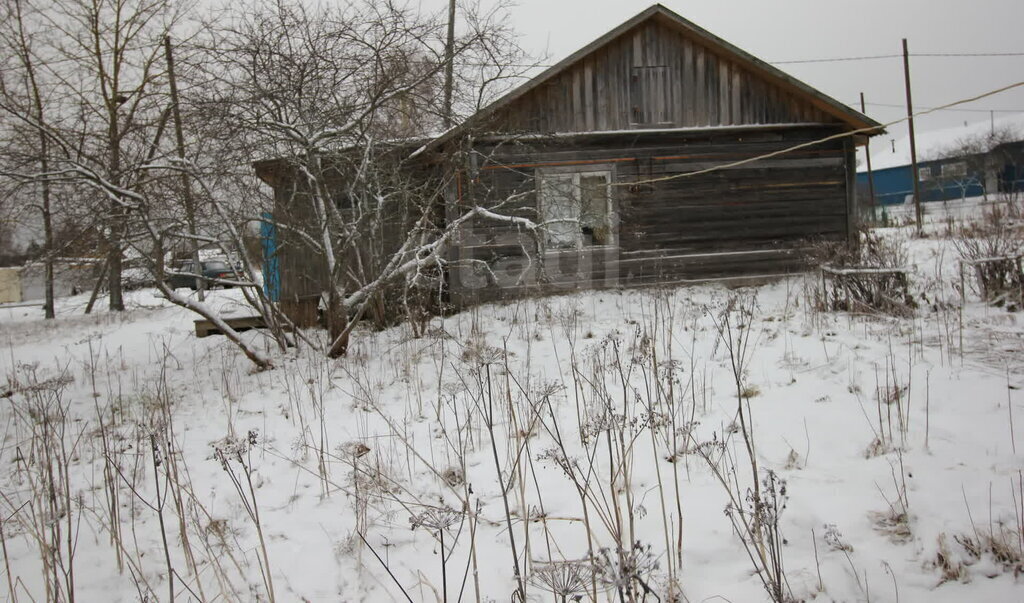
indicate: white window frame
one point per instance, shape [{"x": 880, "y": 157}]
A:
[
  {"x": 576, "y": 174},
  {"x": 924, "y": 174},
  {"x": 956, "y": 169}
]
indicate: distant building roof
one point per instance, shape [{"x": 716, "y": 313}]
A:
[{"x": 890, "y": 151}]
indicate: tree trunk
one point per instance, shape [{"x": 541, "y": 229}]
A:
[
  {"x": 44, "y": 163},
  {"x": 337, "y": 325},
  {"x": 48, "y": 251},
  {"x": 115, "y": 231},
  {"x": 114, "y": 262},
  {"x": 48, "y": 304}
]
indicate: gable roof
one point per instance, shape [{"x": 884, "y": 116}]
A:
[{"x": 830, "y": 106}]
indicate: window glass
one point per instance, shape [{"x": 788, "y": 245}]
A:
[
  {"x": 576, "y": 209},
  {"x": 594, "y": 222},
  {"x": 561, "y": 210},
  {"x": 954, "y": 169}
]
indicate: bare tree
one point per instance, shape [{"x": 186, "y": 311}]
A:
[
  {"x": 338, "y": 99},
  {"x": 104, "y": 136},
  {"x": 104, "y": 70},
  {"x": 16, "y": 38}
]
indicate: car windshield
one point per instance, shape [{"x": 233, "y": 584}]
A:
[{"x": 217, "y": 266}]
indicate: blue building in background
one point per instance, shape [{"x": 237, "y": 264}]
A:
[{"x": 1000, "y": 170}]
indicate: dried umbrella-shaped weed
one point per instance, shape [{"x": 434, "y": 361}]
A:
[
  {"x": 565, "y": 579},
  {"x": 435, "y": 519},
  {"x": 439, "y": 519},
  {"x": 624, "y": 570},
  {"x": 237, "y": 450}
]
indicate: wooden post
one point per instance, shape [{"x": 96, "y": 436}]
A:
[
  {"x": 850, "y": 153},
  {"x": 186, "y": 189},
  {"x": 913, "y": 143},
  {"x": 871, "y": 176},
  {"x": 449, "y": 58}
]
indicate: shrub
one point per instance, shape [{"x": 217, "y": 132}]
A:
[
  {"x": 867, "y": 275},
  {"x": 992, "y": 248}
]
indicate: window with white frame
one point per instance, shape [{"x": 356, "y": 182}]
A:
[
  {"x": 954, "y": 170},
  {"x": 576, "y": 209},
  {"x": 924, "y": 174}
]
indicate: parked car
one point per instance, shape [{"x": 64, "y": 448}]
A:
[
  {"x": 212, "y": 270},
  {"x": 136, "y": 278}
]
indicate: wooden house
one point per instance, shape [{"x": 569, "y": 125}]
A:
[
  {"x": 659, "y": 153},
  {"x": 632, "y": 152}
]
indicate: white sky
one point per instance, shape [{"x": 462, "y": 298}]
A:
[{"x": 787, "y": 30}]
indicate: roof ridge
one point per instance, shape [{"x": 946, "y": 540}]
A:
[{"x": 819, "y": 99}]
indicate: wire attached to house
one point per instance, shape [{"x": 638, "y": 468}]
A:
[{"x": 804, "y": 145}]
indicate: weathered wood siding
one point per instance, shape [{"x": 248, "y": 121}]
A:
[
  {"x": 656, "y": 76},
  {"x": 378, "y": 229},
  {"x": 743, "y": 220}
]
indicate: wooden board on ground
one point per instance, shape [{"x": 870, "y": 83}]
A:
[{"x": 238, "y": 323}]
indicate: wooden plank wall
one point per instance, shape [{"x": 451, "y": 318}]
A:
[
  {"x": 382, "y": 229},
  {"x": 301, "y": 269},
  {"x": 745, "y": 220},
  {"x": 654, "y": 77}
]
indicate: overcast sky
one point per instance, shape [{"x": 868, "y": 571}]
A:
[{"x": 792, "y": 30}]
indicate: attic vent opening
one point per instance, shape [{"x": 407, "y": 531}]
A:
[{"x": 648, "y": 96}]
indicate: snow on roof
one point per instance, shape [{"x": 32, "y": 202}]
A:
[{"x": 889, "y": 151}]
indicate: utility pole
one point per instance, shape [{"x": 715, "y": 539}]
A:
[
  {"x": 449, "y": 59},
  {"x": 186, "y": 188},
  {"x": 867, "y": 153},
  {"x": 913, "y": 143}
]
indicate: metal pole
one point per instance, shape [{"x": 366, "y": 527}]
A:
[
  {"x": 871, "y": 176},
  {"x": 186, "y": 189},
  {"x": 913, "y": 143}
]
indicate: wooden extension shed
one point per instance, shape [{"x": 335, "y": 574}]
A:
[{"x": 630, "y": 152}]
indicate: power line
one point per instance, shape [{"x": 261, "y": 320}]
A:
[
  {"x": 66, "y": 58},
  {"x": 968, "y": 54},
  {"x": 838, "y": 59},
  {"x": 951, "y": 109},
  {"x": 870, "y": 57},
  {"x": 868, "y": 130},
  {"x": 900, "y": 56}
]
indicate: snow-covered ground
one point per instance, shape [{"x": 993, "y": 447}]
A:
[
  {"x": 942, "y": 213},
  {"x": 613, "y": 418}
]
